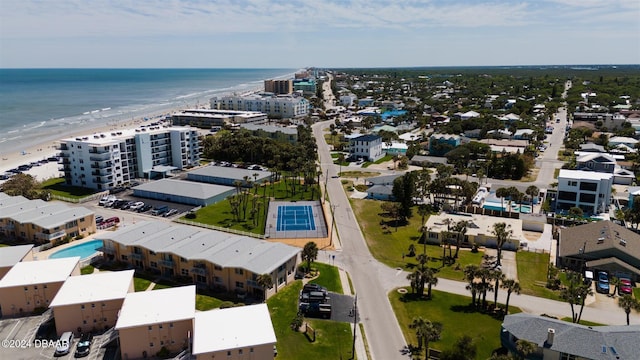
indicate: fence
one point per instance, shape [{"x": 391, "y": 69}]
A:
[
  {"x": 43, "y": 247},
  {"x": 85, "y": 199},
  {"x": 220, "y": 228}
]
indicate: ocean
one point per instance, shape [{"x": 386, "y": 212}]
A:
[{"x": 42, "y": 105}]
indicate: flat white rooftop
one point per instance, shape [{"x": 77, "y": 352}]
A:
[
  {"x": 11, "y": 255},
  {"x": 39, "y": 272},
  {"x": 95, "y": 287},
  {"x": 157, "y": 306},
  {"x": 583, "y": 175},
  {"x": 232, "y": 328}
]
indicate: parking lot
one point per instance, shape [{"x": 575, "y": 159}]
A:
[
  {"x": 108, "y": 212},
  {"x": 18, "y": 341}
]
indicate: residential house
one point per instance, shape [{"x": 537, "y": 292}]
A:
[
  {"x": 43, "y": 221},
  {"x": 30, "y": 285},
  {"x": 152, "y": 320},
  {"x": 591, "y": 147},
  {"x": 511, "y": 117},
  {"x": 524, "y": 134},
  {"x": 210, "y": 259},
  {"x": 440, "y": 144},
  {"x": 598, "y": 162},
  {"x": 395, "y": 148},
  {"x": 91, "y": 302},
  {"x": 623, "y": 176},
  {"x": 479, "y": 230},
  {"x": 225, "y": 334},
  {"x": 348, "y": 100},
  {"x": 634, "y": 195},
  {"x": 468, "y": 115},
  {"x": 588, "y": 190},
  {"x": 11, "y": 255},
  {"x": 368, "y": 147},
  {"x": 622, "y": 140},
  {"x": 499, "y": 134},
  {"x": 601, "y": 245},
  {"x": 561, "y": 340}
]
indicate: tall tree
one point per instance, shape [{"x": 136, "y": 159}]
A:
[
  {"x": 426, "y": 331},
  {"x": 628, "y": 303},
  {"x": 502, "y": 193},
  {"x": 498, "y": 277},
  {"x": 503, "y": 234},
  {"x": 512, "y": 286},
  {"x": 310, "y": 253},
  {"x": 404, "y": 192},
  {"x": 532, "y": 191},
  {"x": 525, "y": 348},
  {"x": 575, "y": 293},
  {"x": 265, "y": 281},
  {"x": 470, "y": 274},
  {"x": 461, "y": 231},
  {"x": 463, "y": 349}
]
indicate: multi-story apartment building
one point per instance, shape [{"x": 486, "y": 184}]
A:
[
  {"x": 210, "y": 259},
  {"x": 33, "y": 284},
  {"x": 367, "y": 147},
  {"x": 280, "y": 87},
  {"x": 102, "y": 161},
  {"x": 41, "y": 221},
  {"x": 588, "y": 190},
  {"x": 91, "y": 302},
  {"x": 307, "y": 86},
  {"x": 208, "y": 119},
  {"x": 275, "y": 106}
]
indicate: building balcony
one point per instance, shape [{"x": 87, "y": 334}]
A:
[
  {"x": 166, "y": 263},
  {"x": 62, "y": 147},
  {"x": 55, "y": 235},
  {"x": 107, "y": 250},
  {"x": 9, "y": 227},
  {"x": 199, "y": 271},
  {"x": 135, "y": 256}
]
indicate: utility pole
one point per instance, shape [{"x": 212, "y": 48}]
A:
[{"x": 355, "y": 324}]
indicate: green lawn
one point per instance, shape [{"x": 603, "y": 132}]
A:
[
  {"x": 636, "y": 292},
  {"x": 582, "y": 322},
  {"x": 328, "y": 277},
  {"x": 388, "y": 246},
  {"x": 87, "y": 270},
  {"x": 333, "y": 339},
  {"x": 456, "y": 316},
  {"x": 532, "y": 274},
  {"x": 205, "y": 302},
  {"x": 220, "y": 214},
  {"x": 58, "y": 187},
  {"x": 358, "y": 174},
  {"x": 140, "y": 284},
  {"x": 379, "y": 161}
]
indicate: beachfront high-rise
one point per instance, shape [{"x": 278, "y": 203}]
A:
[
  {"x": 275, "y": 106},
  {"x": 103, "y": 161}
]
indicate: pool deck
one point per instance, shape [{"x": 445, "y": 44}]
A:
[{"x": 46, "y": 253}]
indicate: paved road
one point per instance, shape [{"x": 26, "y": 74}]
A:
[{"x": 383, "y": 334}]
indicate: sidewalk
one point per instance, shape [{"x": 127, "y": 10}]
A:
[{"x": 361, "y": 352}]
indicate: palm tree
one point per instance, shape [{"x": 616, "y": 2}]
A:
[
  {"x": 470, "y": 273},
  {"x": 532, "y": 191},
  {"x": 414, "y": 280},
  {"x": 503, "y": 233},
  {"x": 461, "y": 231},
  {"x": 266, "y": 282},
  {"x": 575, "y": 294},
  {"x": 627, "y": 302},
  {"x": 525, "y": 348},
  {"x": 310, "y": 253},
  {"x": 426, "y": 332},
  {"x": 497, "y": 276},
  {"x": 431, "y": 280},
  {"x": 512, "y": 286},
  {"x": 502, "y": 193}
]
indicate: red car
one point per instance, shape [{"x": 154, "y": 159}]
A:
[{"x": 625, "y": 287}]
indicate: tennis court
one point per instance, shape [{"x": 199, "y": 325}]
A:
[{"x": 295, "y": 218}]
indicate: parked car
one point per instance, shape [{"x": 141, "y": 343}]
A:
[
  {"x": 99, "y": 219},
  {"x": 106, "y": 199},
  {"x": 160, "y": 210},
  {"x": 170, "y": 212},
  {"x": 625, "y": 287},
  {"x": 313, "y": 287},
  {"x": 127, "y": 205},
  {"x": 603, "y": 283},
  {"x": 84, "y": 345},
  {"x": 46, "y": 330},
  {"x": 136, "y": 206},
  {"x": 145, "y": 208},
  {"x": 63, "y": 345},
  {"x": 116, "y": 190}
]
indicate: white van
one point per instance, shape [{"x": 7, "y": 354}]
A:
[{"x": 63, "y": 345}]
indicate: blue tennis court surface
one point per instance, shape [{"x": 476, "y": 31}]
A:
[{"x": 295, "y": 217}]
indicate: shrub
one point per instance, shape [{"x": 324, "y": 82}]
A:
[
  {"x": 163, "y": 353},
  {"x": 227, "y": 304},
  {"x": 190, "y": 215}
]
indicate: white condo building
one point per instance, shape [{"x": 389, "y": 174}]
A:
[
  {"x": 588, "y": 190},
  {"x": 102, "y": 161},
  {"x": 367, "y": 147},
  {"x": 275, "y": 106}
]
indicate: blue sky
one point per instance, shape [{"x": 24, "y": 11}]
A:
[{"x": 324, "y": 33}]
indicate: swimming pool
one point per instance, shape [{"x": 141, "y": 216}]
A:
[
  {"x": 296, "y": 217},
  {"x": 493, "y": 206},
  {"x": 84, "y": 250}
]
